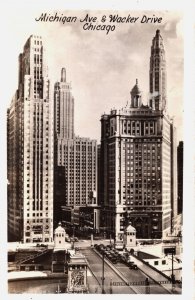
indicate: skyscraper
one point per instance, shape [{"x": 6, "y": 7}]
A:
[
  {"x": 30, "y": 149},
  {"x": 75, "y": 160},
  {"x": 63, "y": 108},
  {"x": 158, "y": 73},
  {"x": 137, "y": 166}
]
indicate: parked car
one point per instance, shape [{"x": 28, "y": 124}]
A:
[
  {"x": 114, "y": 260},
  {"x": 108, "y": 247},
  {"x": 133, "y": 267},
  {"x": 122, "y": 259},
  {"x": 97, "y": 238},
  {"x": 74, "y": 239},
  {"x": 130, "y": 263}
]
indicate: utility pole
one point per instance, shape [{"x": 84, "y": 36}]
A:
[
  {"x": 147, "y": 286},
  {"x": 73, "y": 230},
  {"x": 172, "y": 251},
  {"x": 73, "y": 236},
  {"x": 111, "y": 286},
  {"x": 92, "y": 240},
  {"x": 103, "y": 278},
  {"x": 172, "y": 275}
]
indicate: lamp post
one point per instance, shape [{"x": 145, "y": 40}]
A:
[
  {"x": 172, "y": 275},
  {"x": 171, "y": 251},
  {"x": 72, "y": 221},
  {"x": 111, "y": 286},
  {"x": 103, "y": 278},
  {"x": 110, "y": 239},
  {"x": 73, "y": 237},
  {"x": 147, "y": 285}
]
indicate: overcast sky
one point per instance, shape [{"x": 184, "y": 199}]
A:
[{"x": 102, "y": 67}]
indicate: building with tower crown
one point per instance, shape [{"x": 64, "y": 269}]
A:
[
  {"x": 30, "y": 149},
  {"x": 157, "y": 74},
  {"x": 138, "y": 159},
  {"x": 75, "y": 165}
]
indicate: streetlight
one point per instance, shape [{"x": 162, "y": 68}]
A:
[
  {"x": 73, "y": 230},
  {"x": 147, "y": 285},
  {"x": 171, "y": 251},
  {"x": 103, "y": 278},
  {"x": 111, "y": 286},
  {"x": 172, "y": 275},
  {"x": 110, "y": 239}
]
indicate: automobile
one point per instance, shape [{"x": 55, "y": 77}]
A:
[
  {"x": 115, "y": 256},
  {"x": 166, "y": 241},
  {"x": 108, "y": 248},
  {"x": 100, "y": 246},
  {"x": 97, "y": 238},
  {"x": 123, "y": 259},
  {"x": 114, "y": 261},
  {"x": 157, "y": 242},
  {"x": 120, "y": 254},
  {"x": 133, "y": 267},
  {"x": 67, "y": 239},
  {"x": 148, "y": 242},
  {"x": 74, "y": 239},
  {"x": 130, "y": 263},
  {"x": 118, "y": 257},
  {"x": 101, "y": 250},
  {"x": 109, "y": 256},
  {"x": 178, "y": 281}
]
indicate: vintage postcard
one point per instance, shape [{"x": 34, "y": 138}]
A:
[{"x": 94, "y": 139}]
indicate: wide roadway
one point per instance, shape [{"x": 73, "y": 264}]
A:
[
  {"x": 131, "y": 276},
  {"x": 95, "y": 263}
]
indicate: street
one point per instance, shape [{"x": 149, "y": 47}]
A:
[{"x": 131, "y": 276}]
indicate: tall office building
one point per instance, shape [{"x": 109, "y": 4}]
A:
[
  {"x": 75, "y": 160},
  {"x": 157, "y": 74},
  {"x": 63, "y": 108},
  {"x": 137, "y": 165},
  {"x": 63, "y": 130},
  {"x": 30, "y": 150}
]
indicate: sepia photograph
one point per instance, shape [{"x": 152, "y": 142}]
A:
[{"x": 94, "y": 143}]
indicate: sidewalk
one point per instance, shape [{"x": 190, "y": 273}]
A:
[
  {"x": 93, "y": 285},
  {"x": 156, "y": 276}
]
